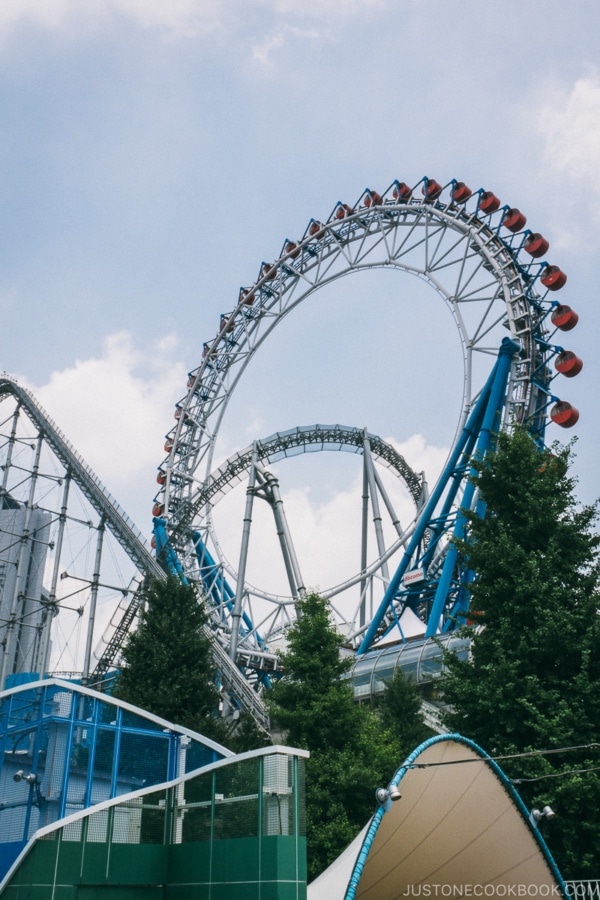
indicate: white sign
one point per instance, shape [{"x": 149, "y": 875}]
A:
[{"x": 414, "y": 576}]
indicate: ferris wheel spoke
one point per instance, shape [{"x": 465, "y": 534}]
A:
[
  {"x": 463, "y": 249},
  {"x": 484, "y": 332}
]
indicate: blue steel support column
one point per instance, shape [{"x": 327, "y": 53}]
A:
[
  {"x": 219, "y": 590},
  {"x": 466, "y": 439},
  {"x": 490, "y": 419},
  {"x": 165, "y": 553}
]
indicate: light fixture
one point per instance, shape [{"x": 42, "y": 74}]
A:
[
  {"x": 21, "y": 776},
  {"x": 386, "y": 795},
  {"x": 538, "y": 814}
]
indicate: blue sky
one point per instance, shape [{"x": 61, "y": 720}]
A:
[{"x": 154, "y": 153}]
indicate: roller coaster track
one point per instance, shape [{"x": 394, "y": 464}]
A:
[
  {"x": 117, "y": 520},
  {"x": 289, "y": 443},
  {"x": 130, "y": 539}
]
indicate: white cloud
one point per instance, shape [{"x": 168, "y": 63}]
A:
[
  {"x": 277, "y": 38},
  {"x": 569, "y": 122},
  {"x": 332, "y": 11},
  {"x": 179, "y": 18},
  {"x": 115, "y": 410}
]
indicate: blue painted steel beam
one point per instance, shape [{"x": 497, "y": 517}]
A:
[
  {"x": 215, "y": 583},
  {"x": 480, "y": 420},
  {"x": 165, "y": 553},
  {"x": 491, "y": 422}
]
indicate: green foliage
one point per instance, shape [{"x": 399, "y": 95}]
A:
[
  {"x": 167, "y": 662},
  {"x": 245, "y": 735},
  {"x": 400, "y": 713},
  {"x": 312, "y": 704},
  {"x": 352, "y": 753},
  {"x": 534, "y": 679}
]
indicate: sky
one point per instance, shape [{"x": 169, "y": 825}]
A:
[{"x": 155, "y": 152}]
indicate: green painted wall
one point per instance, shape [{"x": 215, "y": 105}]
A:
[
  {"x": 267, "y": 868},
  {"x": 234, "y": 833}
]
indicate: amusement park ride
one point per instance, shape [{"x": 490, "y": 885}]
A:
[{"x": 491, "y": 272}]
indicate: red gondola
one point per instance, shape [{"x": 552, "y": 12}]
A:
[
  {"x": 564, "y": 317},
  {"x": 568, "y": 364},
  {"x": 373, "y": 199},
  {"x": 432, "y": 189},
  {"x": 342, "y": 210},
  {"x": 563, "y": 414},
  {"x": 514, "y": 220},
  {"x": 227, "y": 323},
  {"x": 401, "y": 191},
  {"x": 460, "y": 192},
  {"x": 553, "y": 278},
  {"x": 268, "y": 271},
  {"x": 535, "y": 244},
  {"x": 179, "y": 413},
  {"x": 246, "y": 296},
  {"x": 292, "y": 249},
  {"x": 488, "y": 202}
]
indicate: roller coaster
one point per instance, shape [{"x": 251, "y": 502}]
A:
[{"x": 409, "y": 585}]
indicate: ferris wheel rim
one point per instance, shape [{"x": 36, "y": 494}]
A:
[
  {"x": 444, "y": 215},
  {"x": 466, "y": 258}
]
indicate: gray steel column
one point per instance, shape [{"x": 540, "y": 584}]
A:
[
  {"x": 52, "y": 610},
  {"x": 388, "y": 504},
  {"x": 364, "y": 539},
  {"x": 22, "y": 566},
  {"x": 290, "y": 559},
  {"x": 424, "y": 492},
  {"x": 11, "y": 444},
  {"x": 236, "y": 615},
  {"x": 93, "y": 601},
  {"x": 375, "y": 507}
]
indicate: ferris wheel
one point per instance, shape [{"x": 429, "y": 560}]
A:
[{"x": 491, "y": 272}]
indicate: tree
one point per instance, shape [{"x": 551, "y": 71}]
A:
[
  {"x": 400, "y": 712},
  {"x": 351, "y": 752},
  {"x": 534, "y": 679},
  {"x": 167, "y": 662}
]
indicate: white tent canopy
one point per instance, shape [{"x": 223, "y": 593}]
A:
[{"x": 459, "y": 828}]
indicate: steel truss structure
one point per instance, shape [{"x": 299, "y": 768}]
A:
[
  {"x": 491, "y": 272},
  {"x": 58, "y": 529},
  {"x": 260, "y": 628}
]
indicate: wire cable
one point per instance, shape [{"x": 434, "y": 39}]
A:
[{"x": 529, "y": 753}]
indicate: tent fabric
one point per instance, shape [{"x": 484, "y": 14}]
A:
[
  {"x": 459, "y": 829},
  {"x": 331, "y": 884}
]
